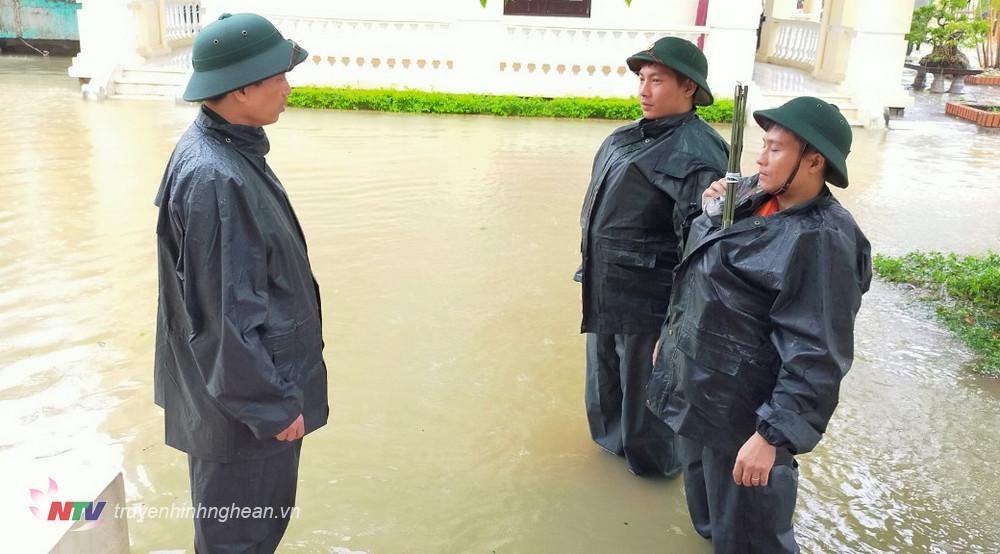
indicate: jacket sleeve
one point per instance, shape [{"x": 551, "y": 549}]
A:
[
  {"x": 684, "y": 180},
  {"x": 225, "y": 278},
  {"x": 687, "y": 202},
  {"x": 813, "y": 333}
]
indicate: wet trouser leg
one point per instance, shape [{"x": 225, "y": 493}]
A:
[
  {"x": 618, "y": 368},
  {"x": 750, "y": 520},
  {"x": 219, "y": 491},
  {"x": 694, "y": 485}
]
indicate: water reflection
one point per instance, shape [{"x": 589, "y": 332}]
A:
[{"x": 444, "y": 247}]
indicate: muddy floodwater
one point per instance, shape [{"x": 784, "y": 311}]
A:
[{"x": 444, "y": 247}]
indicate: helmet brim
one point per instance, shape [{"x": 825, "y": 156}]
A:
[{"x": 280, "y": 58}]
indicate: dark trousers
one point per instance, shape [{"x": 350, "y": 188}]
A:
[
  {"x": 739, "y": 520},
  {"x": 618, "y": 368},
  {"x": 222, "y": 494}
]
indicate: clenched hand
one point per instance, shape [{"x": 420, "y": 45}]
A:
[
  {"x": 294, "y": 431},
  {"x": 754, "y": 462}
]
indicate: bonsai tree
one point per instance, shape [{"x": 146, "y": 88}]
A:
[{"x": 947, "y": 25}]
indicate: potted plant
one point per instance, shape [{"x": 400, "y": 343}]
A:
[{"x": 947, "y": 25}]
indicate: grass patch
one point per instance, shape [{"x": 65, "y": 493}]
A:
[
  {"x": 415, "y": 101},
  {"x": 965, "y": 292}
]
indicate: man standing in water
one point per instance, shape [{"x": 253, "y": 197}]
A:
[
  {"x": 647, "y": 180},
  {"x": 761, "y": 331},
  {"x": 239, "y": 367}
]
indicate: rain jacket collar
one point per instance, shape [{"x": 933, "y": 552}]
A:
[
  {"x": 653, "y": 128},
  {"x": 246, "y": 139},
  {"x": 749, "y": 221}
]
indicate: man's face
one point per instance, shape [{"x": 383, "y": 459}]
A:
[
  {"x": 660, "y": 93},
  {"x": 266, "y": 100},
  {"x": 777, "y": 159}
]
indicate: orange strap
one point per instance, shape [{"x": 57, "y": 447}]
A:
[{"x": 768, "y": 208}]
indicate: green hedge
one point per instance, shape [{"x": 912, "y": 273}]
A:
[
  {"x": 965, "y": 292},
  {"x": 386, "y": 100}
]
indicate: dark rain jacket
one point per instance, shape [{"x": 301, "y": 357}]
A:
[
  {"x": 238, "y": 337},
  {"x": 647, "y": 180},
  {"x": 761, "y": 325}
]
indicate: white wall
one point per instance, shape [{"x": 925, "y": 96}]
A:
[{"x": 459, "y": 46}]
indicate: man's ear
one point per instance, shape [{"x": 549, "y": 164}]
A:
[
  {"x": 240, "y": 95},
  {"x": 690, "y": 88},
  {"x": 817, "y": 161}
]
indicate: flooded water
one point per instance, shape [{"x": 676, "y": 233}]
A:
[{"x": 444, "y": 247}]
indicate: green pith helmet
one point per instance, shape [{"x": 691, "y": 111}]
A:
[
  {"x": 683, "y": 57},
  {"x": 238, "y": 50},
  {"x": 818, "y": 123}
]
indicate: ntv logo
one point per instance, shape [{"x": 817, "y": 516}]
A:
[{"x": 65, "y": 511}]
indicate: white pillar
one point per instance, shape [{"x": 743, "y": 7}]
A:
[
  {"x": 863, "y": 28},
  {"x": 731, "y": 43},
  {"x": 112, "y": 33}
]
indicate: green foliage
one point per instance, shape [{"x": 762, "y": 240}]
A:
[
  {"x": 919, "y": 25},
  {"x": 945, "y": 23},
  {"x": 966, "y": 294},
  {"x": 387, "y": 100}
]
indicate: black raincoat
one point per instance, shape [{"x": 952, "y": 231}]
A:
[
  {"x": 239, "y": 337},
  {"x": 761, "y": 326},
  {"x": 647, "y": 180}
]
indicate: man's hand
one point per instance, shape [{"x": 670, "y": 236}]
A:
[
  {"x": 656, "y": 351},
  {"x": 754, "y": 462},
  {"x": 714, "y": 190},
  {"x": 294, "y": 431}
]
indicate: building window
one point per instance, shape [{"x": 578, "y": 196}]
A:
[{"x": 571, "y": 8}]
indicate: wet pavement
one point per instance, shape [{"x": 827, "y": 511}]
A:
[
  {"x": 929, "y": 106},
  {"x": 444, "y": 246}
]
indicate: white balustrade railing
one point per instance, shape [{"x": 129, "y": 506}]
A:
[
  {"x": 493, "y": 57},
  {"x": 585, "y": 52},
  {"x": 182, "y": 20},
  {"x": 796, "y": 43}
]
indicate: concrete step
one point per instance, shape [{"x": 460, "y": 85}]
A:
[
  {"x": 149, "y": 83},
  {"x": 166, "y": 91},
  {"x": 169, "y": 91},
  {"x": 144, "y": 97},
  {"x": 152, "y": 76},
  {"x": 843, "y": 101},
  {"x": 780, "y": 97}
]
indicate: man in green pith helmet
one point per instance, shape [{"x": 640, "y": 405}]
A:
[
  {"x": 239, "y": 365},
  {"x": 760, "y": 330},
  {"x": 647, "y": 180}
]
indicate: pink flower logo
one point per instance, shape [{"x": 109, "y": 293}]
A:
[
  {"x": 39, "y": 499},
  {"x": 89, "y": 512}
]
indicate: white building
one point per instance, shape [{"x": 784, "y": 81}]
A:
[{"x": 848, "y": 51}]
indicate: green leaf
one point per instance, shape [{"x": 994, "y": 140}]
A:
[{"x": 965, "y": 292}]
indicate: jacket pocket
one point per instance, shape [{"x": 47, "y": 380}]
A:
[
  {"x": 714, "y": 352},
  {"x": 281, "y": 346},
  {"x": 662, "y": 380},
  {"x": 710, "y": 377},
  {"x": 633, "y": 257}
]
